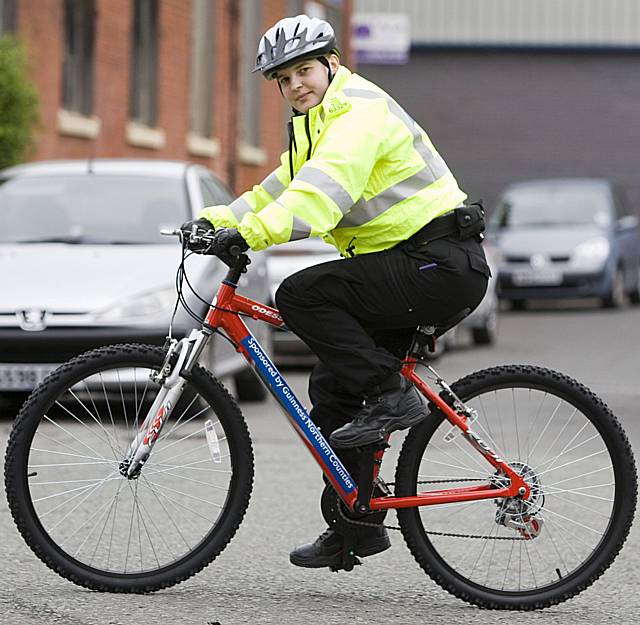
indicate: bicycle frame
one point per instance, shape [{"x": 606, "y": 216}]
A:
[{"x": 224, "y": 314}]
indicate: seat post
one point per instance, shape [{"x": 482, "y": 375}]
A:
[{"x": 424, "y": 337}]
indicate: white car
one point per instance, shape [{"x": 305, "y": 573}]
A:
[
  {"x": 84, "y": 264},
  {"x": 282, "y": 261},
  {"x": 289, "y": 350}
]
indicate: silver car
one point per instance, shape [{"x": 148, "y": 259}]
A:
[
  {"x": 566, "y": 238},
  {"x": 84, "y": 264}
]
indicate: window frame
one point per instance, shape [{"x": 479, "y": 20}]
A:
[
  {"x": 201, "y": 105},
  {"x": 78, "y": 65},
  {"x": 8, "y": 16},
  {"x": 144, "y": 74},
  {"x": 250, "y": 83}
]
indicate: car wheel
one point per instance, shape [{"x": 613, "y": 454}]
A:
[
  {"x": 634, "y": 295},
  {"x": 249, "y": 387},
  {"x": 616, "y": 297},
  {"x": 486, "y": 334},
  {"x": 11, "y": 402}
]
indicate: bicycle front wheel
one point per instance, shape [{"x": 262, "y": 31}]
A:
[
  {"x": 514, "y": 553},
  {"x": 88, "y": 522}
]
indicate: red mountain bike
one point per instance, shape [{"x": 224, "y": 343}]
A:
[{"x": 130, "y": 468}]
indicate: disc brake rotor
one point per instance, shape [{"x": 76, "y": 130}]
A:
[{"x": 516, "y": 512}]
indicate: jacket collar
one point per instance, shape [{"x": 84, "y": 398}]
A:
[
  {"x": 340, "y": 79},
  {"x": 333, "y": 100}
]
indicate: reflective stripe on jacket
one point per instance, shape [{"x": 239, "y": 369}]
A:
[{"x": 365, "y": 177}]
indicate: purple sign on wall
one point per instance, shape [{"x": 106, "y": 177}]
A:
[{"x": 381, "y": 37}]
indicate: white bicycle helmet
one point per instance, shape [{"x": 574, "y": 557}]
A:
[{"x": 294, "y": 38}]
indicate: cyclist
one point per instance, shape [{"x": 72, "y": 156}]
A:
[{"x": 361, "y": 174}]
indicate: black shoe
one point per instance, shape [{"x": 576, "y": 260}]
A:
[
  {"x": 326, "y": 550},
  {"x": 392, "y": 410}
]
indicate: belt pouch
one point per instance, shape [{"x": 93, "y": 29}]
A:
[{"x": 470, "y": 220}]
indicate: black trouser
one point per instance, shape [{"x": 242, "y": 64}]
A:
[{"x": 358, "y": 316}]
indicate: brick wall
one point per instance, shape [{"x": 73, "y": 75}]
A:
[
  {"x": 40, "y": 23},
  {"x": 271, "y": 114},
  {"x": 113, "y": 54}
]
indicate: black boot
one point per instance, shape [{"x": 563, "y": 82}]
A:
[
  {"x": 380, "y": 415},
  {"x": 326, "y": 550}
]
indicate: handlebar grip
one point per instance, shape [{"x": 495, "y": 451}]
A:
[{"x": 235, "y": 250}]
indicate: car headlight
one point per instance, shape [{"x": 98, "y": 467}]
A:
[
  {"x": 591, "y": 252},
  {"x": 152, "y": 305}
]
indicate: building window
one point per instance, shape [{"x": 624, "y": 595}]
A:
[
  {"x": 143, "y": 103},
  {"x": 202, "y": 67},
  {"x": 250, "y": 33},
  {"x": 78, "y": 64},
  {"x": 8, "y": 16},
  {"x": 324, "y": 10}
]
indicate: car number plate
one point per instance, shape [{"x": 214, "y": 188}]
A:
[
  {"x": 537, "y": 278},
  {"x": 22, "y": 377}
]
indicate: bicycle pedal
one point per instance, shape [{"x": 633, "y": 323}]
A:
[{"x": 346, "y": 566}]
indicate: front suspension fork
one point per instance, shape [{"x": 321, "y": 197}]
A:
[{"x": 180, "y": 359}]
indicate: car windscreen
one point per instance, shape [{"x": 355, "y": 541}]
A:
[
  {"x": 91, "y": 208},
  {"x": 554, "y": 206}
]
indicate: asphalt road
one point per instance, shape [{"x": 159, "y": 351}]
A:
[{"x": 253, "y": 582}]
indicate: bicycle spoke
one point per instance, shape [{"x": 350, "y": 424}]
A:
[
  {"x": 572, "y": 462},
  {"x": 95, "y": 513},
  {"x": 93, "y": 451},
  {"x": 551, "y": 443},
  {"x": 582, "y": 475},
  {"x": 66, "y": 516},
  {"x": 126, "y": 557},
  {"x": 177, "y": 424},
  {"x": 158, "y": 491},
  {"x": 171, "y": 519},
  {"x": 64, "y": 453},
  {"x": 112, "y": 506},
  {"x": 100, "y": 511},
  {"x": 549, "y": 464},
  {"x": 191, "y": 465},
  {"x": 187, "y": 479},
  {"x": 67, "y": 464},
  {"x": 181, "y": 440},
  {"x": 106, "y": 440},
  {"x": 454, "y": 466},
  {"x": 66, "y": 492},
  {"x": 177, "y": 492},
  {"x": 546, "y": 426}
]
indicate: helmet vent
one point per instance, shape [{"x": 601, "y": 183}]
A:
[{"x": 294, "y": 39}]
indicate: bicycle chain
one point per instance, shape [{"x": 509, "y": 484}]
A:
[{"x": 430, "y": 532}]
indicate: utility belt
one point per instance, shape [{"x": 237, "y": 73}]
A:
[{"x": 465, "y": 221}]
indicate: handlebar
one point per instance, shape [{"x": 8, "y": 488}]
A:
[
  {"x": 213, "y": 243},
  {"x": 196, "y": 235}
]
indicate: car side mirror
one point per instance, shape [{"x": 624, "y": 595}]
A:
[{"x": 628, "y": 222}]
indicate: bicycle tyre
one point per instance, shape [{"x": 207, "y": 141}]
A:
[
  {"x": 171, "y": 518},
  {"x": 600, "y": 440}
]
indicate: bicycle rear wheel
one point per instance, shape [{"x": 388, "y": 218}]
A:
[
  {"x": 511, "y": 553},
  {"x": 93, "y": 526}
]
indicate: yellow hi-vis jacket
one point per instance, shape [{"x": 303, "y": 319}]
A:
[{"x": 360, "y": 173}]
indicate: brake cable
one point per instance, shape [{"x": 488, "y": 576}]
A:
[{"x": 181, "y": 277}]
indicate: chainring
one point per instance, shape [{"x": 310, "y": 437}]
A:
[{"x": 342, "y": 520}]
